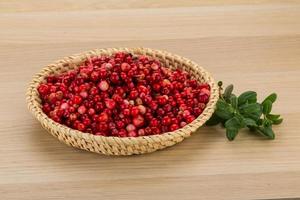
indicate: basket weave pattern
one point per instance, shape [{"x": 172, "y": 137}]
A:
[{"x": 116, "y": 145}]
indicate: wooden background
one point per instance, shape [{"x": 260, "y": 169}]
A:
[{"x": 254, "y": 45}]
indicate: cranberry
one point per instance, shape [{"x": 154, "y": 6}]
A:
[
  {"x": 132, "y": 134},
  {"x": 81, "y": 110},
  {"x": 122, "y": 133},
  {"x": 130, "y": 127},
  {"x": 103, "y": 117},
  {"x": 166, "y": 120},
  {"x": 110, "y": 104},
  {"x": 142, "y": 109},
  {"x": 81, "y": 127},
  {"x": 135, "y": 111},
  {"x": 154, "y": 122},
  {"x": 126, "y": 112},
  {"x": 91, "y": 111},
  {"x": 174, "y": 127},
  {"x": 43, "y": 89},
  {"x": 162, "y": 99},
  {"x": 125, "y": 67},
  {"x": 114, "y": 77},
  {"x": 133, "y": 94},
  {"x": 77, "y": 100},
  {"x": 103, "y": 86},
  {"x": 141, "y": 132},
  {"x": 103, "y": 127},
  {"x": 64, "y": 106},
  {"x": 138, "y": 121}
]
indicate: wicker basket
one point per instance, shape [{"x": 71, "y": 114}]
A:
[{"x": 116, "y": 145}]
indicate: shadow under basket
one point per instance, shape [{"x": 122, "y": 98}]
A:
[{"x": 117, "y": 145}]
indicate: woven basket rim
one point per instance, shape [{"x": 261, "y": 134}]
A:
[{"x": 34, "y": 105}]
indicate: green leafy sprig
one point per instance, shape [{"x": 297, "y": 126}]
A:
[{"x": 243, "y": 111}]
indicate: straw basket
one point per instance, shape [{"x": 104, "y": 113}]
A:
[{"x": 116, "y": 145}]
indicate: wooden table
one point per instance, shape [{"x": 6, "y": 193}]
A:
[{"x": 254, "y": 46}]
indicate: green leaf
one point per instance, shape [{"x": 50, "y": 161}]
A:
[
  {"x": 259, "y": 122},
  {"x": 273, "y": 117},
  {"x": 228, "y": 92},
  {"x": 252, "y": 111},
  {"x": 267, "y": 131},
  {"x": 252, "y": 128},
  {"x": 272, "y": 97},
  {"x": 231, "y": 133},
  {"x": 232, "y": 128},
  {"x": 277, "y": 121},
  {"x": 224, "y": 110},
  {"x": 267, "y": 107},
  {"x": 249, "y": 96},
  {"x": 214, "y": 120},
  {"x": 241, "y": 119},
  {"x": 234, "y": 123},
  {"x": 250, "y": 122},
  {"x": 233, "y": 101},
  {"x": 266, "y": 122}
]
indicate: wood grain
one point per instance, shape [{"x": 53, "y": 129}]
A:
[{"x": 254, "y": 45}]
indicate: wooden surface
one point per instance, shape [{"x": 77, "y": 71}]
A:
[{"x": 252, "y": 45}]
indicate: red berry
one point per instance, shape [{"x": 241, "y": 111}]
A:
[
  {"x": 141, "y": 132},
  {"x": 43, "y": 89},
  {"x": 114, "y": 77},
  {"x": 161, "y": 100},
  {"x": 103, "y": 117},
  {"x": 135, "y": 111},
  {"x": 91, "y": 111},
  {"x": 142, "y": 109},
  {"x": 81, "y": 110},
  {"x": 133, "y": 94},
  {"x": 103, "y": 86},
  {"x": 125, "y": 67},
  {"x": 110, "y": 104},
  {"x": 81, "y": 127},
  {"x": 64, "y": 106},
  {"x": 130, "y": 127},
  {"x": 166, "y": 120},
  {"x": 126, "y": 112},
  {"x": 174, "y": 127},
  {"x": 77, "y": 100},
  {"x": 138, "y": 121},
  {"x": 154, "y": 122},
  {"x": 132, "y": 134}
]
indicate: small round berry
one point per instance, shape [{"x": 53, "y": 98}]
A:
[
  {"x": 135, "y": 111},
  {"x": 81, "y": 110},
  {"x": 103, "y": 86}
]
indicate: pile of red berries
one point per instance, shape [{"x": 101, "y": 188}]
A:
[{"x": 123, "y": 95}]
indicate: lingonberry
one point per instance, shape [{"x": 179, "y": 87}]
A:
[
  {"x": 166, "y": 120},
  {"x": 110, "y": 104},
  {"x": 77, "y": 100},
  {"x": 43, "y": 89},
  {"x": 132, "y": 134},
  {"x": 81, "y": 127},
  {"x": 154, "y": 122},
  {"x": 130, "y": 127},
  {"x": 133, "y": 94},
  {"x": 174, "y": 127},
  {"x": 162, "y": 99},
  {"x": 103, "y": 86},
  {"x": 123, "y": 95},
  {"x": 135, "y": 111},
  {"x": 103, "y": 117},
  {"x": 138, "y": 121},
  {"x": 114, "y": 77}
]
